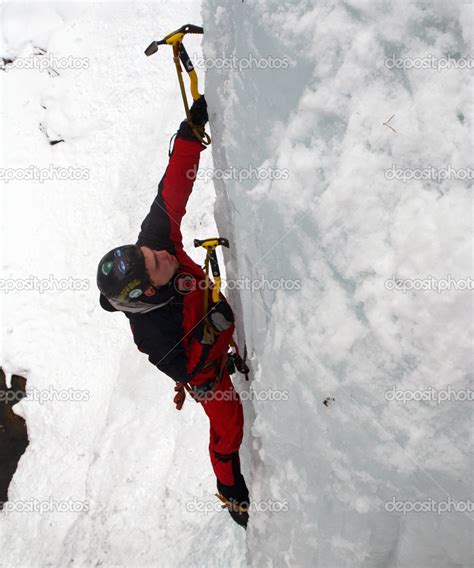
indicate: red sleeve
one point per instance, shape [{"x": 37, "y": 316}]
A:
[{"x": 161, "y": 228}]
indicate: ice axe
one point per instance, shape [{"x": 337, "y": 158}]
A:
[
  {"x": 175, "y": 39},
  {"x": 211, "y": 259}
]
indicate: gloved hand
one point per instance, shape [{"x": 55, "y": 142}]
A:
[
  {"x": 198, "y": 111},
  {"x": 221, "y": 316},
  {"x": 199, "y": 117}
]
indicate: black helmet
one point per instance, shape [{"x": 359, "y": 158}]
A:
[{"x": 121, "y": 274}]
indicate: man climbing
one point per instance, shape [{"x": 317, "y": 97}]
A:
[{"x": 162, "y": 293}]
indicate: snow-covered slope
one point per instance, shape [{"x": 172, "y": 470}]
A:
[
  {"x": 334, "y": 218},
  {"x": 116, "y": 456}
]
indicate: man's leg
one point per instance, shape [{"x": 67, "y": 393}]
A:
[{"x": 226, "y": 417}]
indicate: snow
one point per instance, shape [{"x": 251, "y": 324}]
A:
[
  {"x": 315, "y": 204},
  {"x": 121, "y": 453},
  {"x": 338, "y": 224}
]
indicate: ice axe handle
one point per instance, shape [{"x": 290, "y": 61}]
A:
[
  {"x": 214, "y": 264},
  {"x": 185, "y": 60}
]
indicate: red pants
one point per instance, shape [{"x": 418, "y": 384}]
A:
[{"x": 224, "y": 409}]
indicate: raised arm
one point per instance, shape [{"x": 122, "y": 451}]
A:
[{"x": 161, "y": 228}]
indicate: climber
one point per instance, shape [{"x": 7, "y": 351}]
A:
[{"x": 161, "y": 290}]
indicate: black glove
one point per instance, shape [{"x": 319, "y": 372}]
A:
[
  {"x": 198, "y": 111},
  {"x": 199, "y": 118},
  {"x": 221, "y": 316}
]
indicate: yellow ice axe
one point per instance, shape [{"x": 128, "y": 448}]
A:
[
  {"x": 211, "y": 259},
  {"x": 175, "y": 39}
]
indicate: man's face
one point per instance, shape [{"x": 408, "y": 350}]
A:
[{"x": 160, "y": 265}]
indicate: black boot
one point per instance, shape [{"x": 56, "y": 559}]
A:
[
  {"x": 236, "y": 497},
  {"x": 237, "y": 506}
]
